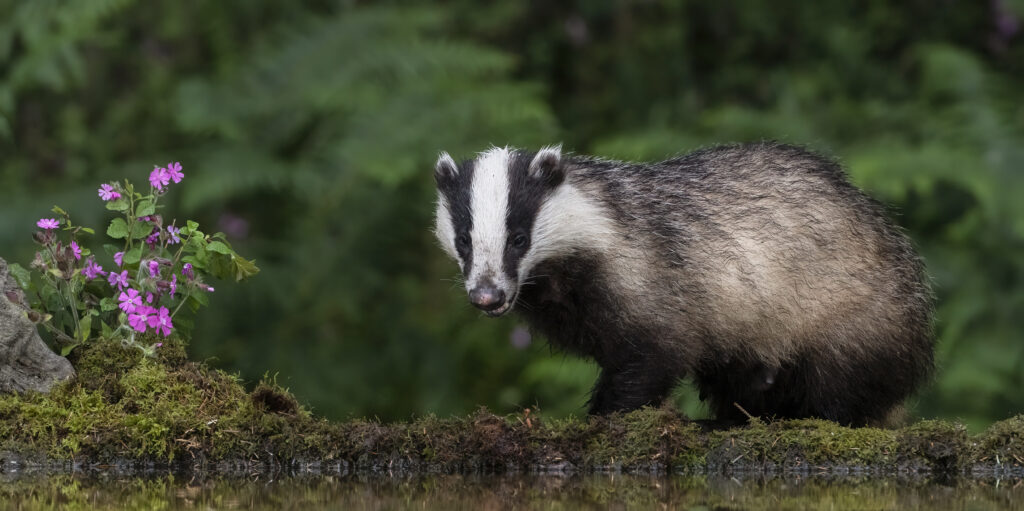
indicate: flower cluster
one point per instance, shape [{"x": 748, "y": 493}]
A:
[
  {"x": 162, "y": 176},
  {"x": 158, "y": 268}
]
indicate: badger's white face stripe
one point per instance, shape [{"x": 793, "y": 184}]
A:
[
  {"x": 489, "y": 204},
  {"x": 445, "y": 231}
]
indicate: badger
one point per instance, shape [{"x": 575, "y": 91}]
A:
[{"x": 756, "y": 271}]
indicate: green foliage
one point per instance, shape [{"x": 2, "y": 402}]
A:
[
  {"x": 69, "y": 289},
  {"x": 309, "y": 129}
]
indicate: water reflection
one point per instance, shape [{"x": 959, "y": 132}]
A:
[{"x": 453, "y": 492}]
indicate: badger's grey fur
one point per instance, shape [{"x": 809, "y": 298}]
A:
[{"x": 757, "y": 270}]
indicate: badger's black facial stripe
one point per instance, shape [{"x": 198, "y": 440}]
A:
[
  {"x": 456, "y": 191},
  {"x": 525, "y": 196}
]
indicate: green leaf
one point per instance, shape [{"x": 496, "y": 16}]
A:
[
  {"x": 192, "y": 225},
  {"x": 198, "y": 262},
  {"x": 21, "y": 276},
  {"x": 141, "y": 230},
  {"x": 133, "y": 256},
  {"x": 244, "y": 268},
  {"x": 108, "y": 304},
  {"x": 199, "y": 298},
  {"x": 119, "y": 205},
  {"x": 84, "y": 328},
  {"x": 88, "y": 230},
  {"x": 220, "y": 248},
  {"x": 66, "y": 350},
  {"x": 59, "y": 211},
  {"x": 106, "y": 331},
  {"x": 220, "y": 267},
  {"x": 145, "y": 208},
  {"x": 118, "y": 229}
]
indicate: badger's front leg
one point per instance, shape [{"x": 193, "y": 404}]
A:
[{"x": 630, "y": 385}]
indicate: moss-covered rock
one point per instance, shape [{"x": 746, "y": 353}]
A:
[
  {"x": 126, "y": 408},
  {"x": 124, "y": 405}
]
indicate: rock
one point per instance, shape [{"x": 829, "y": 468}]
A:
[{"x": 26, "y": 362}]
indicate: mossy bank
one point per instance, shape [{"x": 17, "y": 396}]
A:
[{"x": 168, "y": 412}]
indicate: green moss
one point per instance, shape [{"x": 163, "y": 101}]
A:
[
  {"x": 944, "y": 446},
  {"x": 1003, "y": 443},
  {"x": 648, "y": 435},
  {"x": 798, "y": 442},
  {"x": 125, "y": 406}
]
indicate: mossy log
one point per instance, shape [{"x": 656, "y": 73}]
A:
[{"x": 168, "y": 412}]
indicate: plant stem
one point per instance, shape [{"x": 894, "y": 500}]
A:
[
  {"x": 183, "y": 300},
  {"x": 56, "y": 284},
  {"x": 74, "y": 312},
  {"x": 131, "y": 216},
  {"x": 177, "y": 256},
  {"x": 60, "y": 335}
]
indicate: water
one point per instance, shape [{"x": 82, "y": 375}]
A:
[{"x": 450, "y": 492}]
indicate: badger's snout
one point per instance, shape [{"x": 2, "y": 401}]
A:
[{"x": 488, "y": 298}]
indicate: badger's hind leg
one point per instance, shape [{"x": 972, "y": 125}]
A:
[{"x": 860, "y": 390}]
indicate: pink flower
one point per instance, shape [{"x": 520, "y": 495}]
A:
[
  {"x": 159, "y": 345},
  {"x": 48, "y": 223},
  {"x": 154, "y": 269},
  {"x": 153, "y": 237},
  {"x": 174, "y": 172},
  {"x": 108, "y": 193},
  {"x": 118, "y": 279},
  {"x": 92, "y": 270},
  {"x": 130, "y": 300},
  {"x": 161, "y": 322},
  {"x": 158, "y": 178},
  {"x": 186, "y": 271},
  {"x": 140, "y": 317},
  {"x": 119, "y": 258},
  {"x": 174, "y": 284},
  {"x": 173, "y": 231},
  {"x": 149, "y": 297},
  {"x": 77, "y": 250}
]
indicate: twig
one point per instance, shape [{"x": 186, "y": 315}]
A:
[{"x": 749, "y": 417}]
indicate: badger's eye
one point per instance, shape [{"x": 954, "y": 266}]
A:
[
  {"x": 462, "y": 241},
  {"x": 519, "y": 240}
]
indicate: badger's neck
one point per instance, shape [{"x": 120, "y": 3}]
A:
[{"x": 568, "y": 222}]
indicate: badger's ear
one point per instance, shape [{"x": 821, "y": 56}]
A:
[
  {"x": 547, "y": 164},
  {"x": 445, "y": 168}
]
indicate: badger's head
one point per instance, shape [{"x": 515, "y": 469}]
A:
[{"x": 487, "y": 211}]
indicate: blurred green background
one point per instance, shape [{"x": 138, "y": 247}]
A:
[{"x": 308, "y": 130}]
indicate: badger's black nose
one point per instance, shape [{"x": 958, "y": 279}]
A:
[{"x": 487, "y": 298}]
